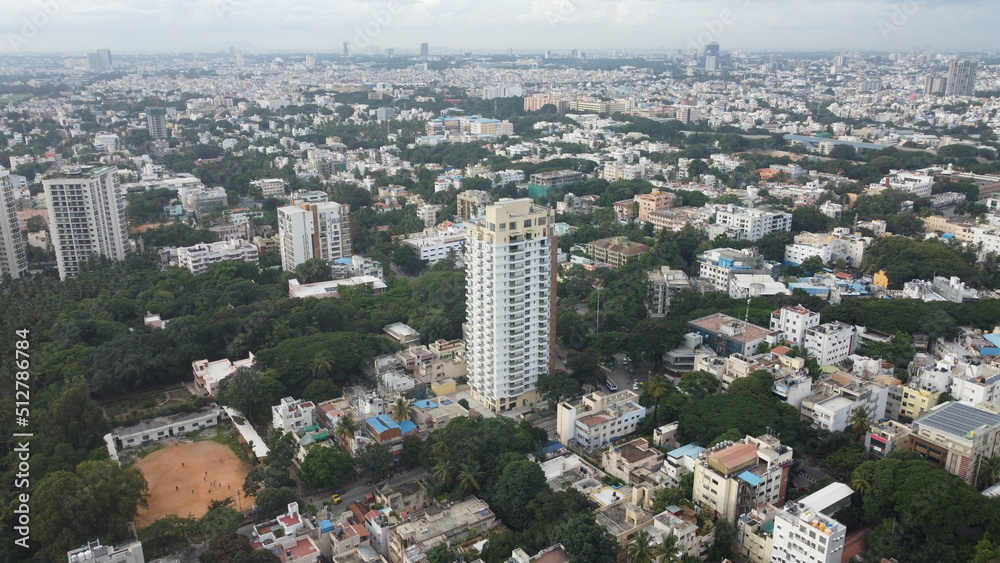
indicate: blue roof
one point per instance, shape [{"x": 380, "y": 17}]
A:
[
  {"x": 993, "y": 339},
  {"x": 381, "y": 423},
  {"x": 691, "y": 450},
  {"x": 447, "y": 402},
  {"x": 407, "y": 426},
  {"x": 550, "y": 447},
  {"x": 425, "y": 404},
  {"x": 326, "y": 526},
  {"x": 346, "y": 261},
  {"x": 750, "y": 478},
  {"x": 947, "y": 235}
]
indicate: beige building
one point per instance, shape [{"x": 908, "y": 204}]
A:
[
  {"x": 622, "y": 461},
  {"x": 655, "y": 201},
  {"x": 957, "y": 437},
  {"x": 615, "y": 250},
  {"x": 436, "y": 526},
  {"x": 471, "y": 202},
  {"x": 510, "y": 258},
  {"x": 733, "y": 478},
  {"x": 598, "y": 418},
  {"x": 755, "y": 534}
]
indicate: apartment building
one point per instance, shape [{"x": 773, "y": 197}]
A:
[
  {"x": 836, "y": 398},
  {"x": 793, "y": 322},
  {"x": 314, "y": 230},
  {"x": 291, "y": 415},
  {"x": 742, "y": 223},
  {"x": 731, "y": 478},
  {"x": 129, "y": 551},
  {"x": 957, "y": 437},
  {"x": 196, "y": 259},
  {"x": 654, "y": 201},
  {"x": 598, "y": 418},
  {"x": 285, "y": 537},
  {"x": 622, "y": 461},
  {"x": 321, "y": 290},
  {"x": 510, "y": 332},
  {"x": 471, "y": 203},
  {"x": 802, "y": 533},
  {"x": 916, "y": 183},
  {"x": 412, "y": 539},
  {"x": 539, "y": 184},
  {"x": 718, "y": 266},
  {"x": 728, "y": 335},
  {"x": 202, "y": 201},
  {"x": 830, "y": 343},
  {"x": 615, "y": 250},
  {"x": 86, "y": 217},
  {"x": 841, "y": 244},
  {"x": 208, "y": 375},
  {"x": 887, "y": 436},
  {"x": 439, "y": 244},
  {"x": 663, "y": 284},
  {"x": 270, "y": 187},
  {"x": 13, "y": 256}
]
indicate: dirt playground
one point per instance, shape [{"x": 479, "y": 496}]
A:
[{"x": 185, "y": 478}]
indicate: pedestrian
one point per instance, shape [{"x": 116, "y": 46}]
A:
[{"x": 176, "y": 488}]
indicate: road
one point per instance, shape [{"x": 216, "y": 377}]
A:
[
  {"x": 355, "y": 492},
  {"x": 622, "y": 377}
]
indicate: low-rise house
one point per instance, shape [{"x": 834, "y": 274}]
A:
[
  {"x": 292, "y": 415},
  {"x": 163, "y": 427},
  {"x": 623, "y": 460},
  {"x": 436, "y": 525},
  {"x": 208, "y": 375},
  {"x": 615, "y": 250},
  {"x": 403, "y": 498},
  {"x": 94, "y": 552},
  {"x": 598, "y": 419},
  {"x": 284, "y": 537},
  {"x": 682, "y": 523},
  {"x": 332, "y": 288}
]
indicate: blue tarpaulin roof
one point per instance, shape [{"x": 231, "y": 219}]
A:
[
  {"x": 750, "y": 478},
  {"x": 407, "y": 426}
]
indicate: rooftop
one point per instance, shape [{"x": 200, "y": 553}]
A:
[{"x": 958, "y": 419}]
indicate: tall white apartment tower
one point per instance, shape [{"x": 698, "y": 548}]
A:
[
  {"x": 314, "y": 230},
  {"x": 13, "y": 257},
  {"x": 510, "y": 279},
  {"x": 86, "y": 216}
]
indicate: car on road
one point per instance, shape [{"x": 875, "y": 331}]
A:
[
  {"x": 635, "y": 385},
  {"x": 336, "y": 499},
  {"x": 561, "y": 357}
]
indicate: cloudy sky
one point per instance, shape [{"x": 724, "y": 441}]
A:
[{"x": 323, "y": 25}]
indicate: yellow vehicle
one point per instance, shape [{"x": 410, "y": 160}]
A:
[{"x": 335, "y": 498}]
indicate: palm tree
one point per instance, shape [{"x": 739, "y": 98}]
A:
[
  {"x": 442, "y": 473},
  {"x": 860, "y": 420},
  {"x": 640, "y": 550},
  {"x": 989, "y": 472},
  {"x": 667, "y": 551},
  {"x": 401, "y": 410},
  {"x": 469, "y": 476},
  {"x": 861, "y": 480},
  {"x": 320, "y": 365},
  {"x": 439, "y": 449},
  {"x": 346, "y": 428},
  {"x": 656, "y": 387}
]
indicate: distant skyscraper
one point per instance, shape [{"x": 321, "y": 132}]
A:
[
  {"x": 240, "y": 61},
  {"x": 314, "y": 230},
  {"x": 390, "y": 53},
  {"x": 961, "y": 78},
  {"x": 310, "y": 61},
  {"x": 510, "y": 259},
  {"x": 232, "y": 51},
  {"x": 347, "y": 49},
  {"x": 100, "y": 60},
  {"x": 13, "y": 259},
  {"x": 86, "y": 217},
  {"x": 712, "y": 49},
  {"x": 425, "y": 49},
  {"x": 934, "y": 85},
  {"x": 156, "y": 122}
]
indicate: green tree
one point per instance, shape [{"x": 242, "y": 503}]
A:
[
  {"x": 167, "y": 535},
  {"x": 401, "y": 410},
  {"x": 325, "y": 467},
  {"x": 583, "y": 365},
  {"x": 656, "y": 387},
  {"x": 441, "y": 554},
  {"x": 668, "y": 551},
  {"x": 812, "y": 265},
  {"x": 585, "y": 540},
  {"x": 511, "y": 488},
  {"x": 320, "y": 365},
  {"x": 221, "y": 518},
  {"x": 698, "y": 384},
  {"x": 250, "y": 392},
  {"x": 373, "y": 461},
  {"x": 470, "y": 477},
  {"x": 313, "y": 270},
  {"x": 557, "y": 386},
  {"x": 345, "y": 429},
  {"x": 989, "y": 472},
  {"x": 443, "y": 473},
  {"x": 640, "y": 549},
  {"x": 275, "y": 500}
]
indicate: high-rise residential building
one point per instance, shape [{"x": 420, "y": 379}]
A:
[
  {"x": 86, "y": 216},
  {"x": 425, "y": 49},
  {"x": 314, "y": 230},
  {"x": 310, "y": 61},
  {"x": 156, "y": 122},
  {"x": 732, "y": 478},
  {"x": 961, "y": 78},
  {"x": 510, "y": 332},
  {"x": 100, "y": 60},
  {"x": 712, "y": 49},
  {"x": 793, "y": 322},
  {"x": 347, "y": 49},
  {"x": 13, "y": 257}
]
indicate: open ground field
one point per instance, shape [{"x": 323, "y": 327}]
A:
[{"x": 199, "y": 472}]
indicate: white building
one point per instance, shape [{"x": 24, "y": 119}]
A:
[
  {"x": 86, "y": 217},
  {"x": 319, "y": 230},
  {"x": 916, "y": 183},
  {"x": 839, "y": 244},
  {"x": 663, "y": 283},
  {"x": 439, "y": 245},
  {"x": 731, "y": 478},
  {"x": 13, "y": 257},
  {"x": 802, "y": 533},
  {"x": 208, "y": 375},
  {"x": 792, "y": 323},
  {"x": 94, "y": 552},
  {"x": 196, "y": 259},
  {"x": 830, "y": 343},
  {"x": 719, "y": 265},
  {"x": 597, "y": 419},
  {"x": 293, "y": 414},
  {"x": 743, "y": 223},
  {"x": 510, "y": 253}
]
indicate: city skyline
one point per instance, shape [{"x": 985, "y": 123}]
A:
[{"x": 213, "y": 25}]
